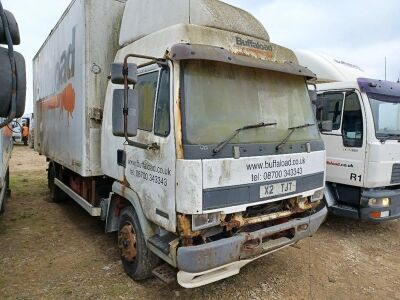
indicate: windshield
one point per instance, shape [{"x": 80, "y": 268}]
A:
[
  {"x": 386, "y": 118},
  {"x": 220, "y": 98}
]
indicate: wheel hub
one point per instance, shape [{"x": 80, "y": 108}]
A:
[{"x": 127, "y": 242}]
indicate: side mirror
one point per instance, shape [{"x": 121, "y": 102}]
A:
[
  {"x": 13, "y": 28},
  {"x": 118, "y": 113},
  {"x": 117, "y": 73},
  {"x": 6, "y": 83},
  {"x": 327, "y": 126}
]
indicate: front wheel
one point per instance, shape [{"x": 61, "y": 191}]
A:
[{"x": 137, "y": 259}]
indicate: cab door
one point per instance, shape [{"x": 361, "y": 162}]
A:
[
  {"x": 346, "y": 143},
  {"x": 151, "y": 173}
]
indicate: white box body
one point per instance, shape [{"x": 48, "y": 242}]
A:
[{"x": 70, "y": 82}]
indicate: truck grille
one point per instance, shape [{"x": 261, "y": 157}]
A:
[{"x": 395, "y": 174}]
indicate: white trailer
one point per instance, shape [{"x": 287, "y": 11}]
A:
[
  {"x": 360, "y": 125},
  {"x": 206, "y": 160},
  {"x": 5, "y": 154},
  {"x": 12, "y": 93}
]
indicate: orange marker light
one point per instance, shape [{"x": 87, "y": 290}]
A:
[{"x": 375, "y": 214}]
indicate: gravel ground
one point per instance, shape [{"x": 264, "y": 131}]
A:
[{"x": 57, "y": 251}]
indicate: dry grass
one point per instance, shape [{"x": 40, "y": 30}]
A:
[{"x": 57, "y": 251}]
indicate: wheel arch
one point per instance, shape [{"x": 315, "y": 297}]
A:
[
  {"x": 329, "y": 195},
  {"x": 121, "y": 197}
]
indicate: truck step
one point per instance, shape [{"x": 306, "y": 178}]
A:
[
  {"x": 345, "y": 211},
  {"x": 165, "y": 273},
  {"x": 92, "y": 210},
  {"x": 162, "y": 242}
]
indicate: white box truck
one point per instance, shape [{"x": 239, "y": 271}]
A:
[
  {"x": 360, "y": 123},
  {"x": 12, "y": 93},
  {"x": 201, "y": 151}
]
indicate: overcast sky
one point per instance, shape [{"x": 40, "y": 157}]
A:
[{"x": 362, "y": 32}]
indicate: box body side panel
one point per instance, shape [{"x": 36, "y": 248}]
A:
[
  {"x": 70, "y": 79},
  {"x": 59, "y": 93}
]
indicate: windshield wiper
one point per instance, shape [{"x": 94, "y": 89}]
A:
[
  {"x": 292, "y": 130},
  {"x": 221, "y": 145},
  {"x": 389, "y": 136}
]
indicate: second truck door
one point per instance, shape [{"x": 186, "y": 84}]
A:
[{"x": 345, "y": 145}]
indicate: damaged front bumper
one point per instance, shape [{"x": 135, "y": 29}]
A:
[{"x": 203, "y": 264}]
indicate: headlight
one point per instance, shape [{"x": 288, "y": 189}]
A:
[
  {"x": 318, "y": 195},
  {"x": 205, "y": 221},
  {"x": 379, "y": 202}
]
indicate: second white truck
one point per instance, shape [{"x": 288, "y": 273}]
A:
[
  {"x": 201, "y": 151},
  {"x": 359, "y": 120}
]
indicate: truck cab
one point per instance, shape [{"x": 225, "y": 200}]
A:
[
  {"x": 361, "y": 139},
  {"x": 231, "y": 165}
]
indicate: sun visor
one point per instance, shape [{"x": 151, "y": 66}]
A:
[
  {"x": 380, "y": 89},
  {"x": 211, "y": 53}
]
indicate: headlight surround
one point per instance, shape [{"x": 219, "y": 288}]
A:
[
  {"x": 203, "y": 221},
  {"x": 318, "y": 195},
  {"x": 379, "y": 202}
]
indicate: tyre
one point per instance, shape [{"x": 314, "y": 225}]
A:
[
  {"x": 56, "y": 194},
  {"x": 137, "y": 259}
]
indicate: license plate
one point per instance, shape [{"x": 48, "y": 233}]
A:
[{"x": 276, "y": 189}]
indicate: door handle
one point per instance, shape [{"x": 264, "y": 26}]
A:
[{"x": 154, "y": 146}]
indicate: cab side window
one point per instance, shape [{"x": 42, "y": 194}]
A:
[
  {"x": 352, "y": 126},
  {"x": 162, "y": 123},
  {"x": 146, "y": 88},
  {"x": 332, "y": 111}
]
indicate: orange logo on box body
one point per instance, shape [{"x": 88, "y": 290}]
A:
[
  {"x": 64, "y": 73},
  {"x": 64, "y": 100}
]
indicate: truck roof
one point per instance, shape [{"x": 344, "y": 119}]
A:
[
  {"x": 329, "y": 69},
  {"x": 161, "y": 14}
]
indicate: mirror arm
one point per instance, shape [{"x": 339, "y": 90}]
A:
[
  {"x": 13, "y": 109},
  {"x": 125, "y": 111},
  {"x": 153, "y": 146}
]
